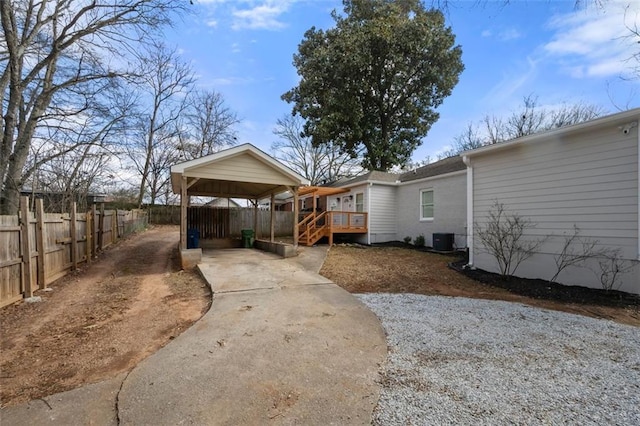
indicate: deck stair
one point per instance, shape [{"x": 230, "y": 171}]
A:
[{"x": 314, "y": 226}]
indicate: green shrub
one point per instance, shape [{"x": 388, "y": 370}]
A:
[
  {"x": 407, "y": 240},
  {"x": 419, "y": 241}
]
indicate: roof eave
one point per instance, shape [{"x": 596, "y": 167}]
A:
[{"x": 595, "y": 123}]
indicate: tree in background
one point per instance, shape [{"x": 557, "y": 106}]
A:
[
  {"x": 209, "y": 125},
  {"x": 322, "y": 163},
  {"x": 165, "y": 80},
  {"x": 55, "y": 51},
  {"x": 373, "y": 82},
  {"x": 529, "y": 119}
]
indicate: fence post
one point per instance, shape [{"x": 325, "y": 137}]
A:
[
  {"x": 25, "y": 242},
  {"x": 101, "y": 228},
  {"x": 40, "y": 242},
  {"x": 89, "y": 236},
  {"x": 73, "y": 230},
  {"x": 94, "y": 248},
  {"x": 117, "y": 222},
  {"x": 113, "y": 226}
]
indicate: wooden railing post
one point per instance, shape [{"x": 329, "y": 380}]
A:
[
  {"x": 73, "y": 230},
  {"x": 40, "y": 242},
  {"x": 25, "y": 242}
]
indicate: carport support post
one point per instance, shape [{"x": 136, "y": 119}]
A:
[
  {"x": 255, "y": 218},
  {"x": 296, "y": 210},
  {"x": 273, "y": 217},
  {"x": 183, "y": 213},
  {"x": 25, "y": 242}
]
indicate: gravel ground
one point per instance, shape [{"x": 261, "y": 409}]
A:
[{"x": 469, "y": 361}]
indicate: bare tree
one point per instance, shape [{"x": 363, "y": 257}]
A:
[
  {"x": 165, "y": 81},
  {"x": 469, "y": 139},
  {"x": 53, "y": 48},
  {"x": 503, "y": 236},
  {"x": 69, "y": 154},
  {"x": 210, "y": 125},
  {"x": 318, "y": 164},
  {"x": 529, "y": 119},
  {"x": 633, "y": 36}
]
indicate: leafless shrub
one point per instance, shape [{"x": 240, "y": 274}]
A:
[
  {"x": 575, "y": 251},
  {"x": 611, "y": 266},
  {"x": 503, "y": 237}
]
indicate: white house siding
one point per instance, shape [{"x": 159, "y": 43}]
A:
[
  {"x": 450, "y": 208},
  {"x": 382, "y": 213},
  {"x": 588, "y": 179}
]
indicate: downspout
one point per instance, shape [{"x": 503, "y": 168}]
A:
[{"x": 467, "y": 162}]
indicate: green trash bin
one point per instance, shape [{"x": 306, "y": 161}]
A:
[{"x": 247, "y": 238}]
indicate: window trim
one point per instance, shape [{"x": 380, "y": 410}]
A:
[{"x": 432, "y": 204}]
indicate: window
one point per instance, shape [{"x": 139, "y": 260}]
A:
[
  {"x": 360, "y": 202},
  {"x": 426, "y": 204}
]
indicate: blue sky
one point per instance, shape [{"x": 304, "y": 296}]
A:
[{"x": 244, "y": 49}]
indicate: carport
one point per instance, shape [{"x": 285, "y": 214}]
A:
[{"x": 243, "y": 172}]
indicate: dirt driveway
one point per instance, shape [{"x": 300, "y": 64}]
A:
[{"x": 101, "y": 320}]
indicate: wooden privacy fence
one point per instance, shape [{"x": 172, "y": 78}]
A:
[
  {"x": 223, "y": 222},
  {"x": 37, "y": 248}
]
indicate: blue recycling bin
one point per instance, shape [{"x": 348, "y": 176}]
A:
[{"x": 193, "y": 238}]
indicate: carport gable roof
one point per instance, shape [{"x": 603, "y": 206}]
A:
[{"x": 243, "y": 171}]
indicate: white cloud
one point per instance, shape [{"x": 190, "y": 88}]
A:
[
  {"x": 593, "y": 42},
  {"x": 262, "y": 17},
  {"x": 504, "y": 35},
  {"x": 512, "y": 83},
  {"x": 509, "y": 34},
  {"x": 229, "y": 81},
  {"x": 212, "y": 23},
  {"x": 235, "y": 48}
]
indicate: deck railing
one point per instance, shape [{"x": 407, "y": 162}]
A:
[{"x": 347, "y": 220}]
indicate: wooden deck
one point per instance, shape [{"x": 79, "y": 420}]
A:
[{"x": 314, "y": 226}]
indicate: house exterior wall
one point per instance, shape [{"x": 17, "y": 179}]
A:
[
  {"x": 382, "y": 213},
  {"x": 587, "y": 179},
  {"x": 449, "y": 204}
]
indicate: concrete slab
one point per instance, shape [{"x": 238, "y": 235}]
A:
[
  {"x": 279, "y": 345},
  {"x": 244, "y": 269},
  {"x": 93, "y": 404}
]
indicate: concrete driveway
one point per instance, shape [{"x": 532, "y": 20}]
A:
[{"x": 280, "y": 345}]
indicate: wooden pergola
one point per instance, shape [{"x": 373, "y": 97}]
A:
[{"x": 244, "y": 172}]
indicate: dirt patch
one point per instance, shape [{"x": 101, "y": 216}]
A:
[
  {"x": 361, "y": 269},
  {"x": 101, "y": 320}
]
